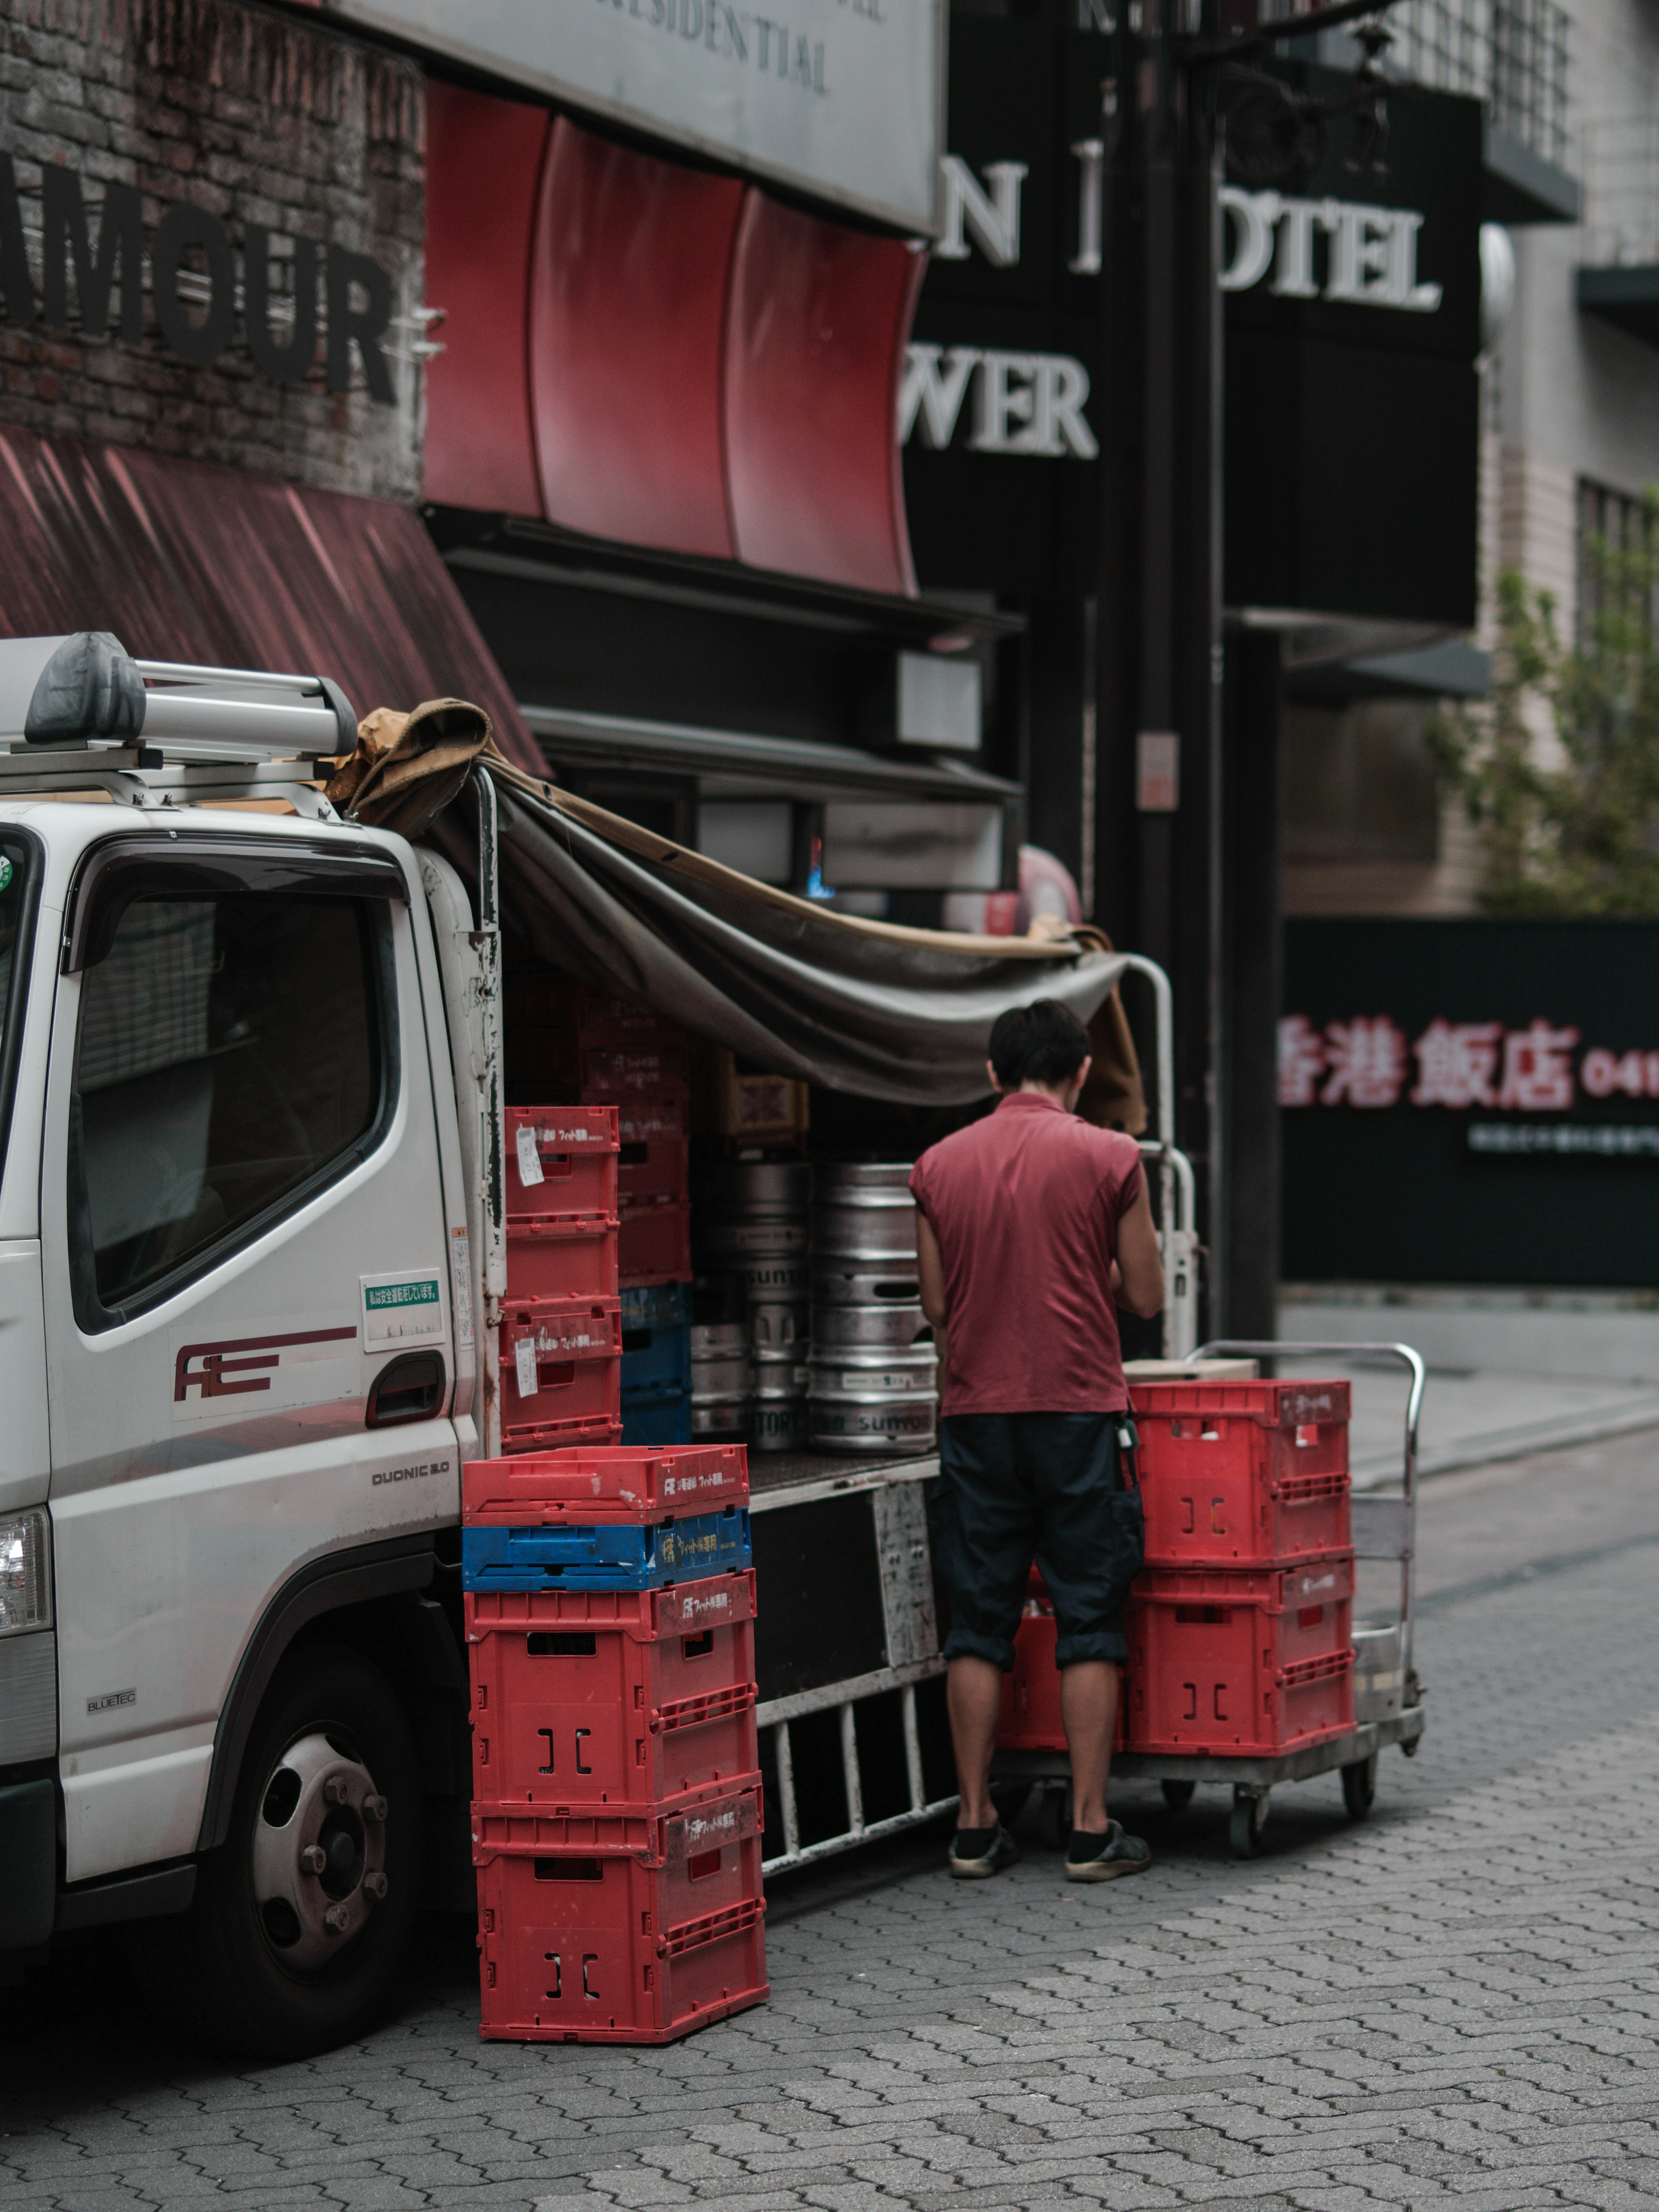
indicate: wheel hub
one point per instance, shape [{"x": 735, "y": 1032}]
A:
[{"x": 319, "y": 1853}]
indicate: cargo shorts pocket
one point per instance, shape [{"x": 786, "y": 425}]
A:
[{"x": 1127, "y": 1542}]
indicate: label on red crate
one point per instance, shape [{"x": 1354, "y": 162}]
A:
[
  {"x": 523, "y": 1359},
  {"x": 711, "y": 1826},
  {"x": 715, "y": 1604},
  {"x": 530, "y": 1160}
]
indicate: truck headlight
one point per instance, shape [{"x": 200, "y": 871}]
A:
[{"x": 25, "y": 1572}]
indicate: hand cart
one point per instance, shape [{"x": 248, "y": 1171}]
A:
[{"x": 1388, "y": 1696}]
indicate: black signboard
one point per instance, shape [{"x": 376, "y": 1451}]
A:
[
  {"x": 1352, "y": 398},
  {"x": 1001, "y": 482},
  {"x": 1351, "y": 330},
  {"x": 1470, "y": 1102}
]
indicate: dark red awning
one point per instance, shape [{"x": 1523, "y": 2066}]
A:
[{"x": 183, "y": 561}]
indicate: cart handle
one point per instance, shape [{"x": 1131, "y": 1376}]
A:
[{"x": 1401, "y": 1355}]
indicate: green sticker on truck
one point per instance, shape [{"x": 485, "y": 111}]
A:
[
  {"x": 403, "y": 1308},
  {"x": 377, "y": 1297}
]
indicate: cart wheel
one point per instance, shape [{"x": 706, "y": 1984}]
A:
[
  {"x": 1054, "y": 1816},
  {"x": 1249, "y": 1818},
  {"x": 1178, "y": 1795},
  {"x": 1359, "y": 1787}
]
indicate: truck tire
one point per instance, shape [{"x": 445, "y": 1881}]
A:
[{"x": 301, "y": 1917}]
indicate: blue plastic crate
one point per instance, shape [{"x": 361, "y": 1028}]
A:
[
  {"x": 657, "y": 1305},
  {"x": 663, "y": 1421},
  {"x": 595, "y": 1559},
  {"x": 656, "y": 1362}
]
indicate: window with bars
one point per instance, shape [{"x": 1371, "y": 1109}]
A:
[
  {"x": 1611, "y": 524},
  {"x": 1514, "y": 54}
]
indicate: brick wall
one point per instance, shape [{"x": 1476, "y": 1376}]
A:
[{"x": 259, "y": 120}]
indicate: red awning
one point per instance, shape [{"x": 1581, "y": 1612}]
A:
[{"x": 183, "y": 561}]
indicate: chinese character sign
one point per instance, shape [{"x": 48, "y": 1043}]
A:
[
  {"x": 1366, "y": 1061},
  {"x": 1469, "y": 1101}
]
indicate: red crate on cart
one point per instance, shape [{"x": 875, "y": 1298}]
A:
[
  {"x": 1242, "y": 1473},
  {"x": 638, "y": 1482},
  {"x": 554, "y": 1256},
  {"x": 1031, "y": 1719},
  {"x": 1242, "y": 1662},
  {"x": 568, "y": 1711},
  {"x": 654, "y": 1245},
  {"x": 561, "y": 1159},
  {"x": 607, "y": 1944}
]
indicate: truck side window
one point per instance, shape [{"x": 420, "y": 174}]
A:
[{"x": 229, "y": 1062}]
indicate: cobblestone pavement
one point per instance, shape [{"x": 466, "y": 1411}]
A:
[{"x": 1453, "y": 2004}]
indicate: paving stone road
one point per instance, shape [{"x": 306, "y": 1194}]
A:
[{"x": 1452, "y": 2004}]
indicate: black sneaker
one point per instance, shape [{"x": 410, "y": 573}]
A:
[
  {"x": 978, "y": 1853},
  {"x": 1091, "y": 1857}
]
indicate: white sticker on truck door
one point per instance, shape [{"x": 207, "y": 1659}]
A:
[
  {"x": 402, "y": 1308},
  {"x": 461, "y": 1286}
]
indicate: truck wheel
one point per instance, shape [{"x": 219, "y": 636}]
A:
[{"x": 301, "y": 1919}]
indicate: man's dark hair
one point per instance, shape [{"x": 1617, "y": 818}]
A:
[{"x": 1044, "y": 1042}]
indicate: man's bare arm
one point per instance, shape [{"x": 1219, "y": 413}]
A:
[
  {"x": 1138, "y": 1270},
  {"x": 931, "y": 1269}
]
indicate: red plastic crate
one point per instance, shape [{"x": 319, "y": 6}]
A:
[
  {"x": 651, "y": 1168},
  {"x": 1246, "y": 1662},
  {"x": 679, "y": 1609},
  {"x": 552, "y": 1255},
  {"x": 608, "y": 1944},
  {"x": 575, "y": 1147},
  {"x": 565, "y": 1716},
  {"x": 654, "y": 1245},
  {"x": 589, "y": 1017},
  {"x": 1031, "y": 1719},
  {"x": 624, "y": 1075},
  {"x": 635, "y": 1483},
  {"x": 1242, "y": 1473},
  {"x": 626, "y": 1985},
  {"x": 648, "y": 1121},
  {"x": 571, "y": 1349}
]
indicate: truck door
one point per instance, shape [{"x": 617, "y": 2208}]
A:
[{"x": 245, "y": 1282}]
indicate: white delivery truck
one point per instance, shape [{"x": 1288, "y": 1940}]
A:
[
  {"x": 252, "y": 1252},
  {"x": 246, "y": 1098}
]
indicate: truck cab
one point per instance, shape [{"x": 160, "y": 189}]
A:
[{"x": 238, "y": 1283}]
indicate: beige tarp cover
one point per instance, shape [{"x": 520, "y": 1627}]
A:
[{"x": 786, "y": 983}]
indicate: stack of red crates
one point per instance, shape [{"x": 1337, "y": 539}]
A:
[
  {"x": 1241, "y": 1632},
  {"x": 1240, "y": 1625},
  {"x": 561, "y": 1332},
  {"x": 607, "y": 1051},
  {"x": 617, "y": 1817}
]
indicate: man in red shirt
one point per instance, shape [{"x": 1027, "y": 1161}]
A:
[{"x": 1032, "y": 1227}]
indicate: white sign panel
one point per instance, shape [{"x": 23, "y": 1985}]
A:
[{"x": 839, "y": 98}]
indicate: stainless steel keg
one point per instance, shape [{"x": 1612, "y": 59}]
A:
[
  {"x": 779, "y": 1326},
  {"x": 870, "y": 1327},
  {"x": 848, "y": 1283},
  {"x": 751, "y": 1212},
  {"x": 864, "y": 1213},
  {"x": 779, "y": 1420},
  {"x": 855, "y": 1371},
  {"x": 721, "y": 1384},
  {"x": 874, "y": 1397},
  {"x": 873, "y": 1424}
]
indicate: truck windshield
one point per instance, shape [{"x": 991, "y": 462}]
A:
[{"x": 18, "y": 887}]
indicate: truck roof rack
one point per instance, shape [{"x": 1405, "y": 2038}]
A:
[{"x": 78, "y": 713}]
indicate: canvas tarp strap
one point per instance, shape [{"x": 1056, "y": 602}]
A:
[{"x": 786, "y": 983}]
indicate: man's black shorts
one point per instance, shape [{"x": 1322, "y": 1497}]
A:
[{"x": 1017, "y": 1486}]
